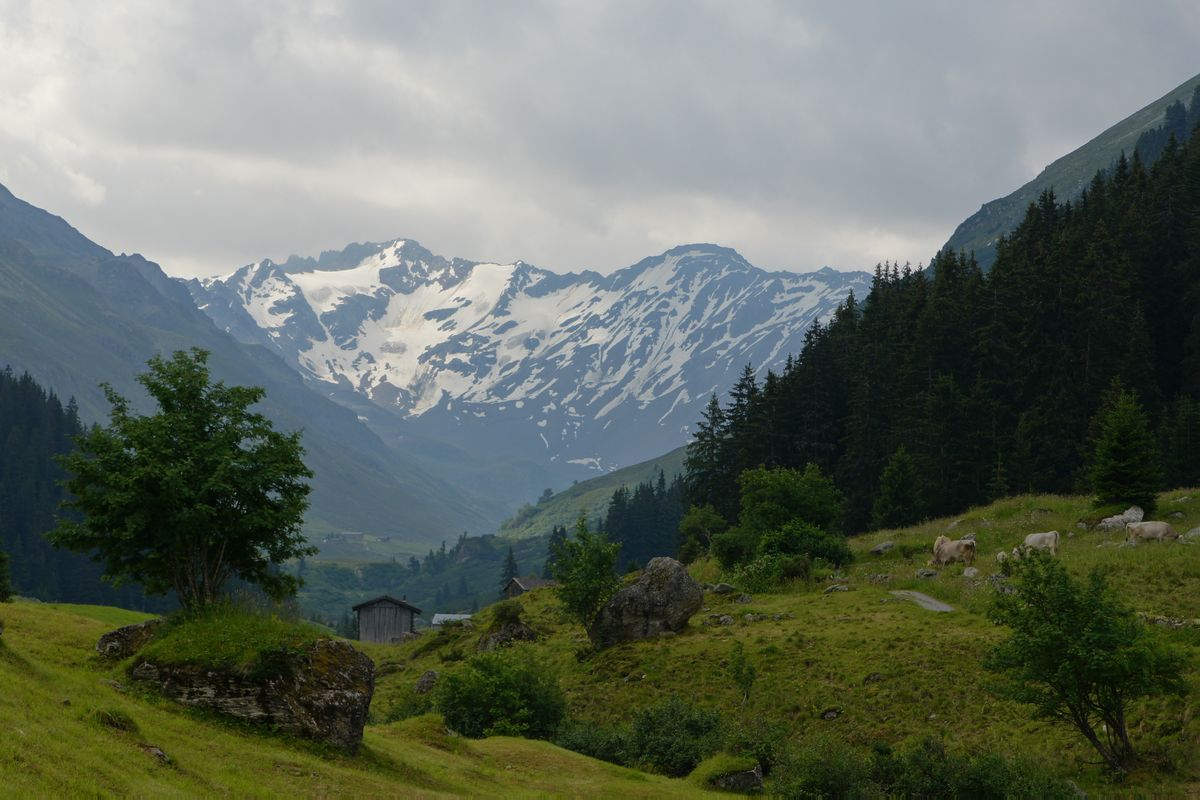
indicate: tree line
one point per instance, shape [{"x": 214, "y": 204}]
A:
[{"x": 947, "y": 387}]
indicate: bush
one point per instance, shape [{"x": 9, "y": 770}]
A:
[
  {"x": 674, "y": 736},
  {"x": 505, "y": 693},
  {"x": 799, "y": 538},
  {"x": 765, "y": 742},
  {"x": 767, "y": 572},
  {"x": 823, "y": 766},
  {"x": 613, "y": 744},
  {"x": 929, "y": 770},
  {"x": 507, "y": 612},
  {"x": 733, "y": 547}
]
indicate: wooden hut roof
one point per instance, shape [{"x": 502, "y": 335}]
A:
[
  {"x": 387, "y": 598},
  {"x": 529, "y": 583}
]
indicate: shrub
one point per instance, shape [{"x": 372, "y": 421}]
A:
[
  {"x": 674, "y": 736},
  {"x": 765, "y": 742},
  {"x": 767, "y": 572},
  {"x": 929, "y": 770},
  {"x": 799, "y": 538},
  {"x": 505, "y": 693},
  {"x": 507, "y": 612},
  {"x": 613, "y": 744},
  {"x": 823, "y": 766}
]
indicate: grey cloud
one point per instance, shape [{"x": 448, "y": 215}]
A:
[{"x": 569, "y": 134}]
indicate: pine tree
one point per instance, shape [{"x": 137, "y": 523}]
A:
[
  {"x": 899, "y": 500},
  {"x": 1125, "y": 467},
  {"x": 558, "y": 535},
  {"x": 509, "y": 570},
  {"x": 1181, "y": 443},
  {"x": 6, "y": 591}
]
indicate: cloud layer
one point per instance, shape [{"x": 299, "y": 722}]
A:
[{"x": 568, "y": 134}]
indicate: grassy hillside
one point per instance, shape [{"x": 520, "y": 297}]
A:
[
  {"x": 71, "y": 729},
  {"x": 882, "y": 668},
  {"x": 588, "y": 497},
  {"x": 1067, "y": 176}
]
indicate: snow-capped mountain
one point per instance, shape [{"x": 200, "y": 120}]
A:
[{"x": 577, "y": 369}]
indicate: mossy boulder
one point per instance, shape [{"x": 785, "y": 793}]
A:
[
  {"x": 661, "y": 600},
  {"x": 321, "y": 692},
  {"x": 127, "y": 640}
]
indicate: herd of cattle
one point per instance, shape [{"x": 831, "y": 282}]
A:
[{"x": 947, "y": 550}]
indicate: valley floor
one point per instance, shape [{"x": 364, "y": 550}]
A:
[{"x": 55, "y": 694}]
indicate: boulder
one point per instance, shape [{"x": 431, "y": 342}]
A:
[
  {"x": 426, "y": 682},
  {"x": 1194, "y": 533},
  {"x": 322, "y": 693},
  {"x": 836, "y": 587},
  {"x": 744, "y": 599},
  {"x": 927, "y": 573},
  {"x": 124, "y": 642},
  {"x": 1117, "y": 522},
  {"x": 882, "y": 548},
  {"x": 723, "y": 588},
  {"x": 504, "y": 635},
  {"x": 748, "y": 781},
  {"x": 662, "y": 599}
]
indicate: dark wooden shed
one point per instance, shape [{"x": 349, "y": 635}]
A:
[
  {"x": 519, "y": 586},
  {"x": 385, "y": 619}
]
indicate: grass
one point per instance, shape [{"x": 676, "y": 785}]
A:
[
  {"x": 888, "y": 670},
  {"x": 70, "y": 728},
  {"x": 231, "y": 638}
]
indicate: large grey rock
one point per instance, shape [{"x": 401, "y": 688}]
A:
[
  {"x": 662, "y": 599},
  {"x": 882, "y": 548},
  {"x": 322, "y": 693},
  {"x": 1194, "y": 533},
  {"x": 124, "y": 642},
  {"x": 1117, "y": 521}
]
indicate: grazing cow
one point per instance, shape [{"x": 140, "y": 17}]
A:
[
  {"x": 1043, "y": 541},
  {"x": 1143, "y": 531},
  {"x": 945, "y": 551}
]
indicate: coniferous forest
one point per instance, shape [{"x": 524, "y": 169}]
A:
[
  {"x": 947, "y": 387},
  {"x": 34, "y": 428}
]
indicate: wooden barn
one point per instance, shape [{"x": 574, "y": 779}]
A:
[
  {"x": 519, "y": 586},
  {"x": 385, "y": 619}
]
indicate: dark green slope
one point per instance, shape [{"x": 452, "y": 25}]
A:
[
  {"x": 72, "y": 314},
  {"x": 1067, "y": 177}
]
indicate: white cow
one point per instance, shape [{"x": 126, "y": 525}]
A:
[
  {"x": 945, "y": 551},
  {"x": 1144, "y": 531},
  {"x": 1043, "y": 541}
]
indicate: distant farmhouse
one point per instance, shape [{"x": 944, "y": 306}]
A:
[
  {"x": 356, "y": 537},
  {"x": 385, "y": 619},
  {"x": 441, "y": 619},
  {"x": 517, "y": 586}
]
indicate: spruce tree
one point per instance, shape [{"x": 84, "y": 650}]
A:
[
  {"x": 509, "y": 570},
  {"x": 1126, "y": 463},
  {"x": 899, "y": 501},
  {"x": 6, "y": 591}
]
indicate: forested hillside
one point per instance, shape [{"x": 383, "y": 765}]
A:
[
  {"x": 978, "y": 385},
  {"x": 34, "y": 428}
]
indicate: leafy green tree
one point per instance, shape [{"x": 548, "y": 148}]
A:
[
  {"x": 6, "y": 591},
  {"x": 509, "y": 570},
  {"x": 800, "y": 538},
  {"x": 1126, "y": 463},
  {"x": 503, "y": 693},
  {"x": 585, "y": 570},
  {"x": 1078, "y": 654},
  {"x": 202, "y": 491},
  {"x": 696, "y": 531},
  {"x": 898, "y": 502}
]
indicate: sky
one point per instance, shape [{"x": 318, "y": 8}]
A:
[{"x": 572, "y": 135}]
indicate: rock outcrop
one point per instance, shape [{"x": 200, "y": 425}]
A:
[
  {"x": 505, "y": 635},
  {"x": 661, "y": 600},
  {"x": 124, "y": 642},
  {"x": 321, "y": 694}
]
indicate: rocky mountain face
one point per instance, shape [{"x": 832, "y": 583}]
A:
[{"x": 576, "y": 372}]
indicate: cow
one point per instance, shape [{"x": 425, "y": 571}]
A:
[
  {"x": 1142, "y": 531},
  {"x": 1043, "y": 541},
  {"x": 946, "y": 551}
]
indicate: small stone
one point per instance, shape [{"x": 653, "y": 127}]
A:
[
  {"x": 723, "y": 588},
  {"x": 1081, "y": 525},
  {"x": 882, "y": 548},
  {"x": 635, "y": 676},
  {"x": 836, "y": 587},
  {"x": 879, "y": 577},
  {"x": 927, "y": 573},
  {"x": 426, "y": 682},
  {"x": 931, "y": 718},
  {"x": 725, "y": 619},
  {"x": 157, "y": 752},
  {"x": 970, "y": 572},
  {"x": 831, "y": 713},
  {"x": 66, "y": 701},
  {"x": 1194, "y": 533},
  {"x": 874, "y": 677},
  {"x": 117, "y": 687},
  {"x": 744, "y": 599},
  {"x": 1175, "y": 515}
]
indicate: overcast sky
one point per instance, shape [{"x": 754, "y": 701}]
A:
[{"x": 569, "y": 134}]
